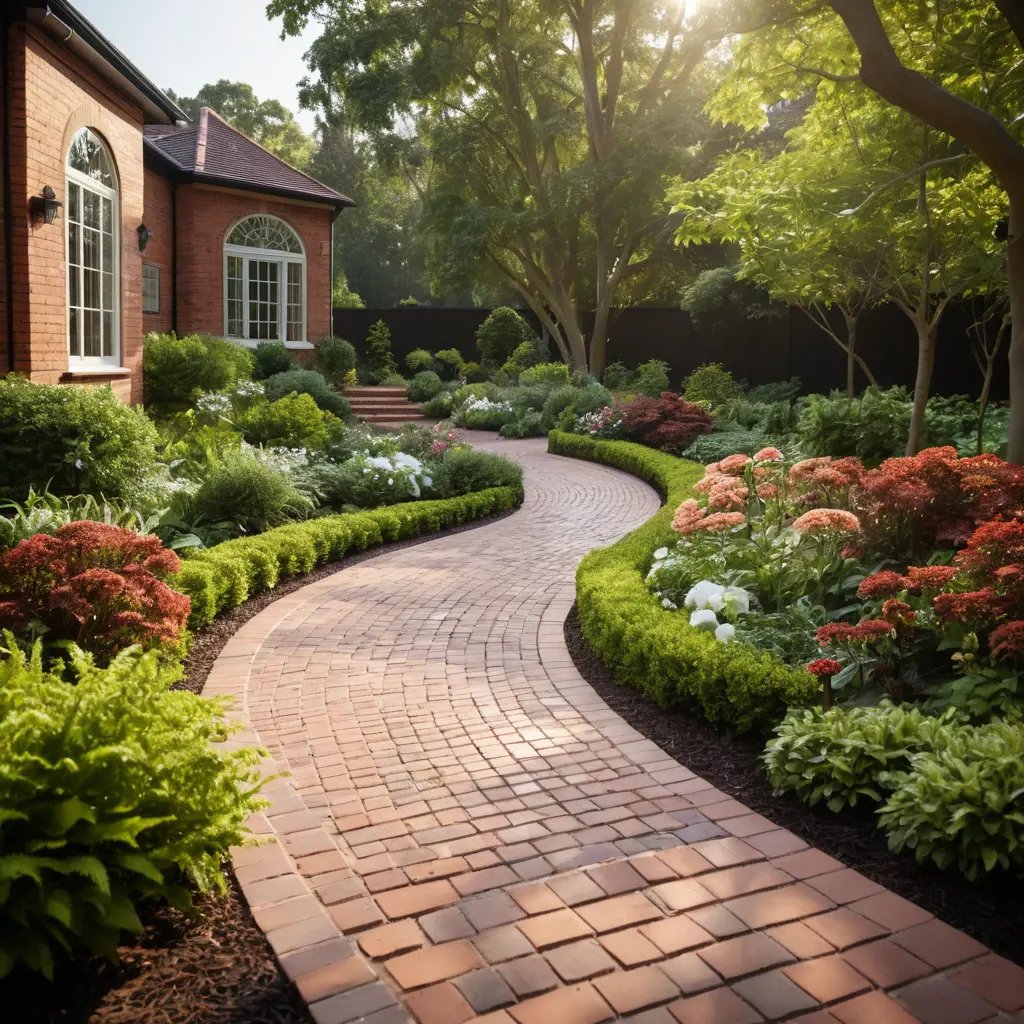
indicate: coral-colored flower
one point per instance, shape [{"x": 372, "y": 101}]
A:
[
  {"x": 803, "y": 470},
  {"x": 824, "y": 667},
  {"x": 930, "y": 577},
  {"x": 767, "y": 491},
  {"x": 882, "y": 584},
  {"x": 1007, "y": 641},
  {"x": 719, "y": 521},
  {"x": 827, "y": 520},
  {"x": 973, "y": 608},
  {"x": 722, "y": 498},
  {"x": 842, "y": 633},
  {"x": 732, "y": 465},
  {"x": 687, "y": 516},
  {"x": 898, "y": 613},
  {"x": 768, "y": 454}
]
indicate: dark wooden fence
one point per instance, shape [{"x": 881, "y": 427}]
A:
[{"x": 758, "y": 351}]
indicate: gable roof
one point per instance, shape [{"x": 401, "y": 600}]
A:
[{"x": 212, "y": 151}]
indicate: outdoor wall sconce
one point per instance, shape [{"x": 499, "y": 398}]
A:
[
  {"x": 46, "y": 205},
  {"x": 144, "y": 236}
]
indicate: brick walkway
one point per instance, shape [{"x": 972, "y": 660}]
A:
[{"x": 469, "y": 832}]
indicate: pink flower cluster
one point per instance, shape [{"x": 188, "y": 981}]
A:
[{"x": 827, "y": 520}]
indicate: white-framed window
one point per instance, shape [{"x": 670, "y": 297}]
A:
[
  {"x": 150, "y": 288},
  {"x": 93, "y": 254},
  {"x": 264, "y": 281}
]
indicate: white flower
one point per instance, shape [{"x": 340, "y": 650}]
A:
[
  {"x": 737, "y": 600},
  {"x": 391, "y": 481},
  {"x": 428, "y": 481},
  {"x": 703, "y": 619},
  {"x": 666, "y": 603},
  {"x": 705, "y": 595},
  {"x": 726, "y": 632},
  {"x": 409, "y": 461},
  {"x": 660, "y": 554},
  {"x": 78, "y": 463}
]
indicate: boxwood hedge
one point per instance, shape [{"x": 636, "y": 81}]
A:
[
  {"x": 656, "y": 650},
  {"x": 221, "y": 577}
]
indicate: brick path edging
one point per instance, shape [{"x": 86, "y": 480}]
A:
[{"x": 470, "y": 833}]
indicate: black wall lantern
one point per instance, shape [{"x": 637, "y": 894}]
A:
[
  {"x": 46, "y": 205},
  {"x": 144, "y": 236}
]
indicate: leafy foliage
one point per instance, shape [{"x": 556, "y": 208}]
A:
[
  {"x": 295, "y": 421},
  {"x": 115, "y": 790},
  {"x": 873, "y": 427},
  {"x": 545, "y": 374},
  {"x": 571, "y": 402},
  {"x": 334, "y": 358},
  {"x": 72, "y": 441},
  {"x": 424, "y": 386},
  {"x": 308, "y": 382},
  {"x": 176, "y": 369},
  {"x": 500, "y": 335},
  {"x": 271, "y": 357},
  {"x": 618, "y": 377},
  {"x": 651, "y": 378},
  {"x": 380, "y": 363},
  {"x": 713, "y": 384},
  {"x": 468, "y": 471},
  {"x": 668, "y": 423},
  {"x": 451, "y": 363},
  {"x": 419, "y": 360}
]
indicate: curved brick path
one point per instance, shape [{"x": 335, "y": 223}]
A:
[{"x": 468, "y": 832}]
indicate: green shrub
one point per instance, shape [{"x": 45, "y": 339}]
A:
[
  {"x": 439, "y": 407},
  {"x": 528, "y": 424},
  {"x": 500, "y": 335},
  {"x": 393, "y": 380},
  {"x": 245, "y": 491},
  {"x": 618, "y": 377},
  {"x": 308, "y": 382},
  {"x": 712, "y": 384},
  {"x": 380, "y": 363},
  {"x": 715, "y": 447},
  {"x": 777, "y": 391},
  {"x": 482, "y": 390},
  {"x": 418, "y": 360},
  {"x": 873, "y": 427},
  {"x": 219, "y": 578},
  {"x": 424, "y": 386},
  {"x": 295, "y": 421},
  {"x": 72, "y": 440},
  {"x": 962, "y": 802},
  {"x": 461, "y": 472},
  {"x": 271, "y": 357},
  {"x": 483, "y": 414},
  {"x": 651, "y": 378},
  {"x": 841, "y": 756},
  {"x": 114, "y": 790},
  {"x": 334, "y": 357},
  {"x": 578, "y": 401},
  {"x": 473, "y": 373},
  {"x": 656, "y": 650},
  {"x": 549, "y": 374},
  {"x": 175, "y": 369},
  {"x": 451, "y": 363}
]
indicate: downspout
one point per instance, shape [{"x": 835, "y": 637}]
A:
[
  {"x": 174, "y": 257},
  {"x": 8, "y": 200},
  {"x": 336, "y": 215}
]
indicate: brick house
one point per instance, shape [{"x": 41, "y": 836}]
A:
[{"x": 120, "y": 216}]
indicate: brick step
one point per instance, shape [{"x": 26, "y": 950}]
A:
[
  {"x": 372, "y": 403},
  {"x": 394, "y": 417},
  {"x": 369, "y": 391}
]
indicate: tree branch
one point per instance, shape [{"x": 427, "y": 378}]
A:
[{"x": 920, "y": 169}]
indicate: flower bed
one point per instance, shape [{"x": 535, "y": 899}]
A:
[{"x": 655, "y": 649}]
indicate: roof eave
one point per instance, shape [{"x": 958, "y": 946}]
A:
[{"x": 340, "y": 201}]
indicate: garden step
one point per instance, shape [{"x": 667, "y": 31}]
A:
[{"x": 392, "y": 417}]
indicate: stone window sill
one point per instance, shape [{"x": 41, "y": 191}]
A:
[{"x": 97, "y": 371}]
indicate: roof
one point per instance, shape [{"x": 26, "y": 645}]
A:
[
  {"x": 64, "y": 22},
  {"x": 212, "y": 151}
]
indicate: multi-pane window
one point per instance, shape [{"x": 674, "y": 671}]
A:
[
  {"x": 264, "y": 281},
  {"x": 92, "y": 257},
  {"x": 150, "y": 288}
]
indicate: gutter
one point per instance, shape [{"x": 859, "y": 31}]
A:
[{"x": 8, "y": 199}]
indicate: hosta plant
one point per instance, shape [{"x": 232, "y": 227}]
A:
[{"x": 113, "y": 789}]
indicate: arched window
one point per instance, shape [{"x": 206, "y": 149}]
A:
[
  {"x": 93, "y": 253},
  {"x": 264, "y": 281}
]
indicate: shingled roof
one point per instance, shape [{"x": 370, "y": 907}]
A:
[{"x": 211, "y": 151}]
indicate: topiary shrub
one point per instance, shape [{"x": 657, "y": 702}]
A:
[
  {"x": 115, "y": 791},
  {"x": 418, "y": 360},
  {"x": 100, "y": 586},
  {"x": 380, "y": 363},
  {"x": 651, "y": 378},
  {"x": 450, "y": 362},
  {"x": 246, "y": 493},
  {"x": 666, "y": 423},
  {"x": 461, "y": 472},
  {"x": 271, "y": 357},
  {"x": 295, "y": 421},
  {"x": 618, "y": 377},
  {"x": 175, "y": 369},
  {"x": 712, "y": 384},
  {"x": 500, "y": 335},
  {"x": 424, "y": 386},
  {"x": 308, "y": 382},
  {"x": 71, "y": 440},
  {"x": 334, "y": 358}
]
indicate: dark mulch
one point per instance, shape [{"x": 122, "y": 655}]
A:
[
  {"x": 216, "y": 969},
  {"x": 990, "y": 910}
]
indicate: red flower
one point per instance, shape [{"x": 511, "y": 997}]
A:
[
  {"x": 931, "y": 577},
  {"x": 824, "y": 667},
  {"x": 882, "y": 584},
  {"x": 836, "y": 633},
  {"x": 1007, "y": 641},
  {"x": 976, "y": 607},
  {"x": 668, "y": 423},
  {"x": 899, "y": 613}
]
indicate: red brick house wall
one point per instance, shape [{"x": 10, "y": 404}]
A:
[
  {"x": 58, "y": 96},
  {"x": 205, "y": 214},
  {"x": 159, "y": 218}
]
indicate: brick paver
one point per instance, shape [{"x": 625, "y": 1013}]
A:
[{"x": 468, "y": 832}]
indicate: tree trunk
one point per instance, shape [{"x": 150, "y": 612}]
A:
[
  {"x": 922, "y": 384},
  {"x": 1015, "y": 266},
  {"x": 851, "y": 354},
  {"x": 599, "y": 342},
  {"x": 986, "y": 387}
]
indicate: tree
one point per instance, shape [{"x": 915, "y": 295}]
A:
[
  {"x": 267, "y": 122},
  {"x": 551, "y": 127}
]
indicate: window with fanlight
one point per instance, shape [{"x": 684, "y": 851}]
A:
[
  {"x": 264, "y": 281},
  {"x": 93, "y": 257}
]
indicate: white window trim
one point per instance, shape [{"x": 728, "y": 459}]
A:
[
  {"x": 99, "y": 363},
  {"x": 273, "y": 256},
  {"x": 151, "y": 266}
]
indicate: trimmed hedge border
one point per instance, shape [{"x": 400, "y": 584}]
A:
[
  {"x": 222, "y": 577},
  {"x": 656, "y": 650}
]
